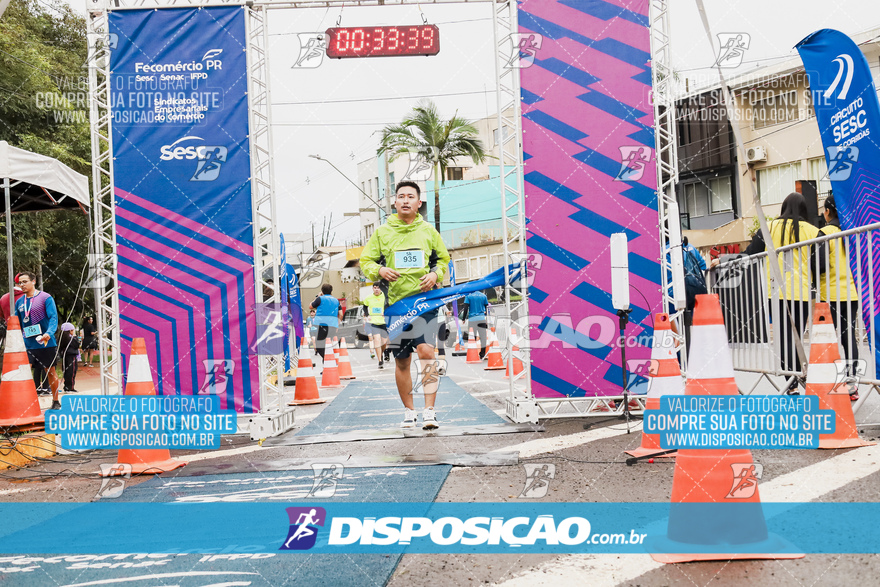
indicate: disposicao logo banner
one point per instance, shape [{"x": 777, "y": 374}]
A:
[
  {"x": 845, "y": 101},
  {"x": 404, "y": 312}
]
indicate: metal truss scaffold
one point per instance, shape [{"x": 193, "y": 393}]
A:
[
  {"x": 103, "y": 279},
  {"x": 266, "y": 239},
  {"x": 520, "y": 403},
  {"x": 666, "y": 156}
]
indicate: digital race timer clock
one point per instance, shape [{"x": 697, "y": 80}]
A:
[{"x": 383, "y": 41}]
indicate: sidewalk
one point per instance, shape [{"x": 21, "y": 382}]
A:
[{"x": 88, "y": 381}]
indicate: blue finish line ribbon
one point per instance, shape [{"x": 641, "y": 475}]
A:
[{"x": 406, "y": 311}]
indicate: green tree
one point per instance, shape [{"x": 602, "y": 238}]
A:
[
  {"x": 44, "y": 109},
  {"x": 438, "y": 141}
]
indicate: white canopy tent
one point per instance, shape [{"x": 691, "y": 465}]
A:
[{"x": 33, "y": 182}]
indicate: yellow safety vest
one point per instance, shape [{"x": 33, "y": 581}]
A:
[
  {"x": 837, "y": 283},
  {"x": 376, "y": 308},
  {"x": 795, "y": 264}
]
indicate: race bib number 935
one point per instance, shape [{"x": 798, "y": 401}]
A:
[{"x": 409, "y": 259}]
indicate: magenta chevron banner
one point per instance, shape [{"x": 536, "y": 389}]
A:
[
  {"x": 589, "y": 172},
  {"x": 183, "y": 199}
]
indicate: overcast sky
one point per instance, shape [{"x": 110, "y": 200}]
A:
[{"x": 336, "y": 109}]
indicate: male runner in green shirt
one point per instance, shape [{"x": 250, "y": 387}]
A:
[{"x": 408, "y": 254}]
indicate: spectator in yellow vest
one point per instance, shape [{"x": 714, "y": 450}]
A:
[
  {"x": 793, "y": 306},
  {"x": 836, "y": 286}
]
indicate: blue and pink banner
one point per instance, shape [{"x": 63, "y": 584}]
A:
[
  {"x": 183, "y": 198},
  {"x": 845, "y": 100},
  {"x": 588, "y": 146}
]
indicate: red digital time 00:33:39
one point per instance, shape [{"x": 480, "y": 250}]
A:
[{"x": 383, "y": 41}]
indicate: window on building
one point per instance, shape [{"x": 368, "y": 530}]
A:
[
  {"x": 496, "y": 261},
  {"x": 811, "y": 109},
  {"x": 720, "y": 198},
  {"x": 495, "y": 134},
  {"x": 454, "y": 173},
  {"x": 774, "y": 183},
  {"x": 479, "y": 266},
  {"x": 461, "y": 270},
  {"x": 391, "y": 180},
  {"x": 775, "y": 109},
  {"x": 696, "y": 197},
  {"x": 818, "y": 172}
]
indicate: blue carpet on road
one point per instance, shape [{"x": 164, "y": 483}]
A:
[
  {"x": 411, "y": 484},
  {"x": 238, "y": 566},
  {"x": 375, "y": 405},
  {"x": 244, "y": 564}
]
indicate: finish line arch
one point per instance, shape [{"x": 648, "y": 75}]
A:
[{"x": 556, "y": 132}]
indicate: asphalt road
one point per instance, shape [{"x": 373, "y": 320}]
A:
[{"x": 589, "y": 467}]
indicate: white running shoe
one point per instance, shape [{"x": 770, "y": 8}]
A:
[
  {"x": 430, "y": 419},
  {"x": 409, "y": 418}
]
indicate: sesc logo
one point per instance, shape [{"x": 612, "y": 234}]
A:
[
  {"x": 210, "y": 157},
  {"x": 303, "y": 530},
  {"x": 172, "y": 151}
]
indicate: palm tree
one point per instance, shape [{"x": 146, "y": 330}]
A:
[{"x": 437, "y": 141}]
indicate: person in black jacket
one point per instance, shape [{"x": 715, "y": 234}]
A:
[{"x": 68, "y": 347}]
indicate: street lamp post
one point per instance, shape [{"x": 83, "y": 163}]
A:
[{"x": 378, "y": 205}]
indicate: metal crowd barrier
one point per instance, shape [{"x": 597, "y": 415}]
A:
[{"x": 758, "y": 312}]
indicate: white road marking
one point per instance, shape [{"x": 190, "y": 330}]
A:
[
  {"x": 545, "y": 445},
  {"x": 11, "y": 491},
  {"x": 806, "y": 484},
  {"x": 238, "y": 451},
  {"x": 811, "y": 483},
  {"x": 160, "y": 576},
  {"x": 497, "y": 392}
]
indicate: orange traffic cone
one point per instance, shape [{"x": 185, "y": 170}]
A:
[
  {"x": 140, "y": 382},
  {"x": 458, "y": 350},
  {"x": 665, "y": 379},
  {"x": 19, "y": 402},
  {"x": 330, "y": 379},
  {"x": 822, "y": 381},
  {"x": 473, "y": 351},
  {"x": 715, "y": 478},
  {"x": 306, "y": 391},
  {"x": 344, "y": 363},
  {"x": 495, "y": 360},
  {"x": 517, "y": 363}
]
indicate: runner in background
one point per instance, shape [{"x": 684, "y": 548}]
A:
[
  {"x": 327, "y": 319},
  {"x": 477, "y": 306},
  {"x": 374, "y": 324},
  {"x": 312, "y": 327},
  {"x": 39, "y": 321},
  {"x": 442, "y": 334}
]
